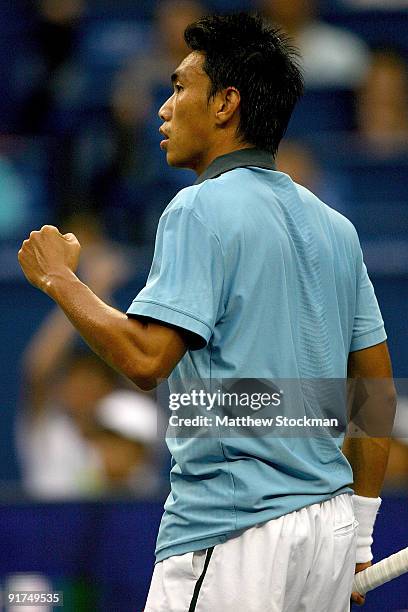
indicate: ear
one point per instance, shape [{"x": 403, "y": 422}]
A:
[{"x": 227, "y": 104}]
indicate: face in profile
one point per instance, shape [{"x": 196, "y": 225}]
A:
[{"x": 188, "y": 120}]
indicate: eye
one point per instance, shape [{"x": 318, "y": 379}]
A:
[{"x": 178, "y": 87}]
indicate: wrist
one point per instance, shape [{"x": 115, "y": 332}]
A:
[
  {"x": 365, "y": 511},
  {"x": 55, "y": 282}
]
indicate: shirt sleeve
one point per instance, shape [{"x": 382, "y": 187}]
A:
[
  {"x": 184, "y": 287},
  {"x": 368, "y": 326}
]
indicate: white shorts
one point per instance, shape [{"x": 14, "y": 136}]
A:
[{"x": 300, "y": 562}]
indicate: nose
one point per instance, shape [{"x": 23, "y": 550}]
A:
[{"x": 166, "y": 110}]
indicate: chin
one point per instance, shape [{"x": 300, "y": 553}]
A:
[
  {"x": 177, "y": 162},
  {"x": 170, "y": 160}
]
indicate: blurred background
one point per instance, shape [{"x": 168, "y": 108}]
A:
[{"x": 83, "y": 470}]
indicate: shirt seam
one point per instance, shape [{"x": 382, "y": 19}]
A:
[
  {"x": 178, "y": 310},
  {"x": 214, "y": 236},
  {"x": 185, "y": 205}
]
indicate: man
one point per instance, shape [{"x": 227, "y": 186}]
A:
[{"x": 252, "y": 277}]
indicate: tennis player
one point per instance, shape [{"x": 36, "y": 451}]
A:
[{"x": 253, "y": 277}]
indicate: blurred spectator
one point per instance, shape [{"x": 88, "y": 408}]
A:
[
  {"x": 70, "y": 443},
  {"x": 107, "y": 158},
  {"x": 382, "y": 103},
  {"x": 114, "y": 164},
  {"x": 154, "y": 69},
  {"x": 126, "y": 438},
  {"x": 111, "y": 164},
  {"x": 58, "y": 459},
  {"x": 55, "y": 35},
  {"x": 331, "y": 56},
  {"x": 298, "y": 161}
]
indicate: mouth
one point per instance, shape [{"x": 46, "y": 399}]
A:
[{"x": 164, "y": 142}]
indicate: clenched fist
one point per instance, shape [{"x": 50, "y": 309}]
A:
[{"x": 47, "y": 254}]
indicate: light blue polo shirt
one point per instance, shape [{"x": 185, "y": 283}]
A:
[{"x": 272, "y": 282}]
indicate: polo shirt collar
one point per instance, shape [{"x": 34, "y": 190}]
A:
[{"x": 237, "y": 159}]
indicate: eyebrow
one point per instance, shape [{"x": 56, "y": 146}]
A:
[{"x": 176, "y": 76}]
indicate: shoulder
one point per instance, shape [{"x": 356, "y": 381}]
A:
[
  {"x": 187, "y": 199},
  {"x": 209, "y": 202},
  {"x": 188, "y": 217},
  {"x": 337, "y": 220}
]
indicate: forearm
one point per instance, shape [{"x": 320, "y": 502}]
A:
[
  {"x": 117, "y": 340},
  {"x": 372, "y": 401},
  {"x": 145, "y": 352},
  {"x": 368, "y": 458},
  {"x": 367, "y": 444}
]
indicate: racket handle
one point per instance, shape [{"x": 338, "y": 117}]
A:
[{"x": 381, "y": 572}]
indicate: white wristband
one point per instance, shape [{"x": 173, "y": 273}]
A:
[{"x": 365, "y": 511}]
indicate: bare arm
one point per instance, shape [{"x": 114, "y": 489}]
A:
[
  {"x": 368, "y": 456},
  {"x": 104, "y": 268},
  {"x": 144, "y": 351},
  {"x": 371, "y": 370}
]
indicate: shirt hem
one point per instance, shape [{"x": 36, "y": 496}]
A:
[
  {"x": 371, "y": 338},
  {"x": 168, "y": 314},
  {"x": 186, "y": 547}
]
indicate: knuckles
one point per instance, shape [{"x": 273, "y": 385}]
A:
[
  {"x": 45, "y": 229},
  {"x": 35, "y": 234}
]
